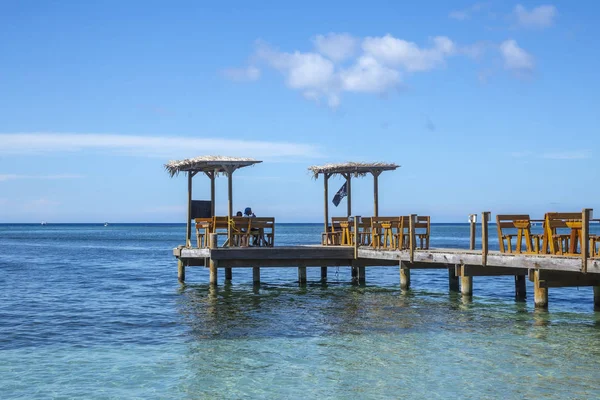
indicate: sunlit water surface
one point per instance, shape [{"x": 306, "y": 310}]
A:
[{"x": 95, "y": 312}]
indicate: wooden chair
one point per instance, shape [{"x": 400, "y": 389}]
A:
[
  {"x": 203, "y": 228},
  {"x": 334, "y": 235},
  {"x": 556, "y": 240},
  {"x": 402, "y": 235},
  {"x": 520, "y": 227},
  {"x": 261, "y": 231},
  {"x": 422, "y": 230},
  {"x": 364, "y": 231},
  {"x": 382, "y": 230},
  {"x": 240, "y": 231}
]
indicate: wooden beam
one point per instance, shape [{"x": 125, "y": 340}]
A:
[
  {"x": 188, "y": 230},
  {"x": 472, "y": 231},
  {"x": 585, "y": 238},
  {"x": 411, "y": 237},
  {"x": 326, "y": 191},
  {"x": 349, "y": 188},
  {"x": 484, "y": 237},
  {"x": 548, "y": 279},
  {"x": 212, "y": 194},
  {"x": 376, "y": 193},
  {"x": 229, "y": 203},
  {"x": 478, "y": 270}
]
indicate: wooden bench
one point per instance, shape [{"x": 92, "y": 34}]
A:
[{"x": 556, "y": 240}]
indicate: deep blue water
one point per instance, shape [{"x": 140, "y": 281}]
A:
[{"x": 88, "y": 311}]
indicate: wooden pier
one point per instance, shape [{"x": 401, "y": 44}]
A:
[{"x": 564, "y": 255}]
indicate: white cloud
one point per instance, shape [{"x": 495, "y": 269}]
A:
[
  {"x": 10, "y": 177},
  {"x": 538, "y": 18},
  {"x": 172, "y": 147},
  {"x": 338, "y": 65},
  {"x": 515, "y": 58},
  {"x": 367, "y": 75},
  {"x": 246, "y": 74},
  {"x": 336, "y": 46},
  {"x": 462, "y": 15},
  {"x": 401, "y": 53}
]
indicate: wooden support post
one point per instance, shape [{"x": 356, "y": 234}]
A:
[
  {"x": 323, "y": 273},
  {"x": 540, "y": 294},
  {"x": 485, "y": 217},
  {"x": 301, "y": 274},
  {"x": 213, "y": 263},
  {"x": 349, "y": 188},
  {"x": 412, "y": 239},
  {"x": 404, "y": 276},
  {"x": 188, "y": 230},
  {"x": 376, "y": 193},
  {"x": 229, "y": 204},
  {"x": 355, "y": 236},
  {"x": 361, "y": 270},
  {"x": 585, "y": 238},
  {"x": 597, "y": 298},
  {"x": 453, "y": 279},
  {"x": 354, "y": 271},
  {"x": 326, "y": 191},
  {"x": 473, "y": 230},
  {"x": 520, "y": 287},
  {"x": 228, "y": 274},
  {"x": 211, "y": 175},
  {"x": 466, "y": 284},
  {"x": 256, "y": 275},
  {"x": 180, "y": 271}
]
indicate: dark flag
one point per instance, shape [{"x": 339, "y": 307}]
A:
[{"x": 343, "y": 192}]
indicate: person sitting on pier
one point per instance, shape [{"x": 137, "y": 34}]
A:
[
  {"x": 239, "y": 214},
  {"x": 248, "y": 212}
]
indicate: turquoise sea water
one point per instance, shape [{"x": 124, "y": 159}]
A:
[{"x": 95, "y": 312}]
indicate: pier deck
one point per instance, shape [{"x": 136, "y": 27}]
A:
[{"x": 545, "y": 271}]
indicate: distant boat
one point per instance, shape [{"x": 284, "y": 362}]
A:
[
  {"x": 43, "y": 223},
  {"x": 106, "y": 224}
]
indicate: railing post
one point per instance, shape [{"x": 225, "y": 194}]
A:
[
  {"x": 586, "y": 215},
  {"x": 411, "y": 223},
  {"x": 485, "y": 218},
  {"x": 356, "y": 219},
  {"x": 472, "y": 221}
]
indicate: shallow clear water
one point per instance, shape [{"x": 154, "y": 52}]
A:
[{"x": 96, "y": 312}]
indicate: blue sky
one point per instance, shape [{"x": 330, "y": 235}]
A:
[{"x": 486, "y": 106}]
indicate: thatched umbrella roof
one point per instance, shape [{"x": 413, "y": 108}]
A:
[
  {"x": 354, "y": 168},
  {"x": 216, "y": 164}
]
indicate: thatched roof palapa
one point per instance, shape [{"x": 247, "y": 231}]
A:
[
  {"x": 353, "y": 168},
  {"x": 215, "y": 164}
]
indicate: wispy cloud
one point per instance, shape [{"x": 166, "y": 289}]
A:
[
  {"x": 151, "y": 146},
  {"x": 515, "y": 58},
  {"x": 11, "y": 177},
  {"x": 538, "y": 18},
  {"x": 467, "y": 13}
]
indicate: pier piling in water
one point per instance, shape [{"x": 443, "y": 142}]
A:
[
  {"x": 180, "y": 271},
  {"x": 302, "y": 274},
  {"x": 213, "y": 264},
  {"x": 453, "y": 284},
  {"x": 256, "y": 275},
  {"x": 324, "y": 274},
  {"x": 597, "y": 298},
  {"x": 404, "y": 276},
  {"x": 540, "y": 294},
  {"x": 520, "y": 287}
]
